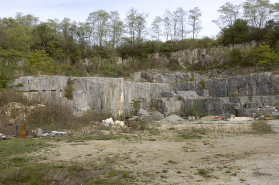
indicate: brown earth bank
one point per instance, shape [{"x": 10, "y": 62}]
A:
[{"x": 210, "y": 154}]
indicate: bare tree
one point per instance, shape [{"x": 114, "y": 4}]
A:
[
  {"x": 181, "y": 14},
  {"x": 174, "y": 20},
  {"x": 135, "y": 24},
  {"x": 229, "y": 14},
  {"x": 257, "y": 12},
  {"x": 156, "y": 27},
  {"x": 116, "y": 28},
  {"x": 194, "y": 21},
  {"x": 98, "y": 21},
  {"x": 167, "y": 24}
]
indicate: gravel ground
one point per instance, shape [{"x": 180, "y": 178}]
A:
[{"x": 224, "y": 156}]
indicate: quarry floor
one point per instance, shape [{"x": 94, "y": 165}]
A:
[{"x": 222, "y": 153}]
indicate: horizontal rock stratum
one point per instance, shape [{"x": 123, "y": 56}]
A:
[{"x": 116, "y": 96}]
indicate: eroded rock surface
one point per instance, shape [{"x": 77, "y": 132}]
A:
[
  {"x": 217, "y": 96},
  {"x": 104, "y": 95}
]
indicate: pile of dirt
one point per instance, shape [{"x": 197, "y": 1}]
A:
[{"x": 173, "y": 119}]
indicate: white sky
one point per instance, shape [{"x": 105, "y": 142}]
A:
[{"x": 78, "y": 10}]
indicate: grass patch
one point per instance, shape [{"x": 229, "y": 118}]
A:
[
  {"x": 115, "y": 177},
  {"x": 261, "y": 127},
  {"x": 172, "y": 162},
  {"x": 16, "y": 167},
  {"x": 20, "y": 146},
  {"x": 191, "y": 135},
  {"x": 75, "y": 168},
  {"x": 204, "y": 173},
  {"x": 152, "y": 139}
]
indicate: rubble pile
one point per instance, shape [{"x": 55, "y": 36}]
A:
[
  {"x": 2, "y": 136},
  {"x": 38, "y": 133}
]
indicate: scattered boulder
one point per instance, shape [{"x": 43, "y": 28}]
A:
[
  {"x": 59, "y": 133},
  {"x": 108, "y": 122},
  {"x": 37, "y": 133},
  {"x": 120, "y": 124},
  {"x": 2, "y": 136},
  {"x": 54, "y": 134},
  {"x": 173, "y": 119},
  {"x": 133, "y": 118},
  {"x": 144, "y": 115}
]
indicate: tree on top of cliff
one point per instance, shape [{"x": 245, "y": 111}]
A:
[{"x": 237, "y": 33}]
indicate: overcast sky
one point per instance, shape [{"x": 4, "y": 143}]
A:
[{"x": 78, "y": 10}]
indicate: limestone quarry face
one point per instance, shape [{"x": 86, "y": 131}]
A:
[
  {"x": 104, "y": 95},
  {"x": 239, "y": 95}
]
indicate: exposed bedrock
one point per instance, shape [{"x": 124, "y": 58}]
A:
[
  {"x": 242, "y": 85},
  {"x": 218, "y": 96},
  {"x": 104, "y": 95}
]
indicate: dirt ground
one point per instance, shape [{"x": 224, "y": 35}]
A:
[{"x": 224, "y": 155}]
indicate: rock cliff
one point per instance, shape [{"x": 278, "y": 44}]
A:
[
  {"x": 219, "y": 96},
  {"x": 104, "y": 95}
]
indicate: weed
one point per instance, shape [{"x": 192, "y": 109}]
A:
[
  {"x": 152, "y": 139},
  {"x": 75, "y": 168},
  {"x": 194, "y": 133},
  {"x": 172, "y": 162},
  {"x": 202, "y": 84},
  {"x": 261, "y": 127},
  {"x": 194, "y": 108},
  {"x": 165, "y": 171},
  {"x": 19, "y": 169},
  {"x": 204, "y": 172},
  {"x": 59, "y": 166}
]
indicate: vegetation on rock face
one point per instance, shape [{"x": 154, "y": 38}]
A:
[{"x": 194, "y": 109}]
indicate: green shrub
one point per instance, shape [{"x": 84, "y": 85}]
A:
[
  {"x": 111, "y": 70},
  {"x": 194, "y": 109},
  {"x": 174, "y": 65},
  {"x": 39, "y": 62},
  {"x": 202, "y": 84}
]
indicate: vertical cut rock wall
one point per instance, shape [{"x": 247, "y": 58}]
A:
[{"x": 104, "y": 95}]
